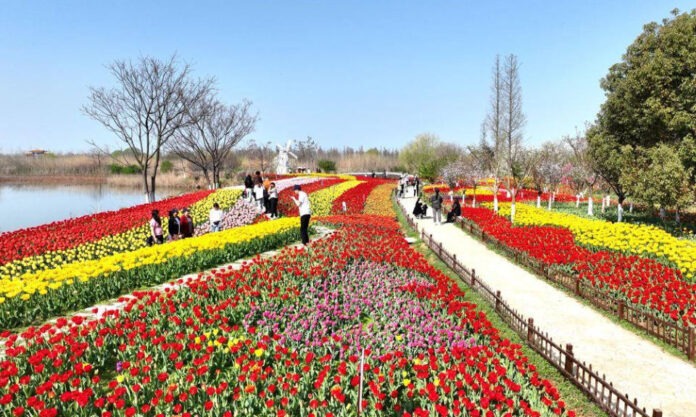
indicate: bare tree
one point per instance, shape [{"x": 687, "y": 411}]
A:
[
  {"x": 518, "y": 162},
  {"x": 492, "y": 131},
  {"x": 306, "y": 151},
  {"x": 147, "y": 108},
  {"x": 263, "y": 152},
  {"x": 583, "y": 166},
  {"x": 208, "y": 142}
]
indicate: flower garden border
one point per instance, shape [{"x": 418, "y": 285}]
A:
[
  {"x": 674, "y": 334},
  {"x": 588, "y": 380}
]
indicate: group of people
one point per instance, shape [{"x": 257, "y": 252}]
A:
[
  {"x": 412, "y": 183},
  {"x": 421, "y": 209},
  {"x": 182, "y": 226},
  {"x": 263, "y": 192},
  {"x": 179, "y": 226}
]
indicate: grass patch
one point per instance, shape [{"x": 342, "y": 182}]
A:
[{"x": 574, "y": 398}]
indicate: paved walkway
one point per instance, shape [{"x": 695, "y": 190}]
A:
[{"x": 636, "y": 366}]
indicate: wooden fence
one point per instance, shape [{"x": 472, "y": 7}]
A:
[{"x": 601, "y": 391}]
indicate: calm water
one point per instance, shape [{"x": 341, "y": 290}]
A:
[{"x": 31, "y": 205}]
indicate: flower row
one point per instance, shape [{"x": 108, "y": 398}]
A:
[
  {"x": 212, "y": 348},
  {"x": 641, "y": 282},
  {"x": 627, "y": 238},
  {"x": 27, "y": 297},
  {"x": 323, "y": 200},
  {"x": 73, "y": 232},
  {"x": 127, "y": 240},
  {"x": 379, "y": 201},
  {"x": 356, "y": 198}
]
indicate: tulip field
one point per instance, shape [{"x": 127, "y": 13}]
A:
[
  {"x": 358, "y": 323},
  {"x": 609, "y": 256}
]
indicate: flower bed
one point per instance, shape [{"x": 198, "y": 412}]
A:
[
  {"x": 632, "y": 239},
  {"x": 29, "y": 297},
  {"x": 323, "y": 200},
  {"x": 641, "y": 282},
  {"x": 285, "y": 205},
  {"x": 356, "y": 198},
  {"x": 70, "y": 233},
  {"x": 206, "y": 349},
  {"x": 125, "y": 241},
  {"x": 379, "y": 201}
]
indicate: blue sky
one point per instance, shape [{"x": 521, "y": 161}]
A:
[{"x": 347, "y": 73}]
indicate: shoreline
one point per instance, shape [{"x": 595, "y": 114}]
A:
[{"x": 79, "y": 180}]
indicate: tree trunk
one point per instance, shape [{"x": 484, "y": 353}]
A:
[
  {"x": 662, "y": 213},
  {"x": 619, "y": 210},
  {"x": 550, "y": 201},
  {"x": 153, "y": 177},
  {"x": 146, "y": 187},
  {"x": 513, "y": 193},
  {"x": 604, "y": 204},
  {"x": 630, "y": 207},
  {"x": 577, "y": 200},
  {"x": 473, "y": 202},
  {"x": 676, "y": 216},
  {"x": 589, "y": 206},
  {"x": 539, "y": 201}
]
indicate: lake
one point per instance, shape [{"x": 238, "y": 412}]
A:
[{"x": 24, "y": 205}]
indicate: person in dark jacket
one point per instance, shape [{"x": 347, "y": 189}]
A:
[
  {"x": 186, "y": 223},
  {"x": 455, "y": 212},
  {"x": 174, "y": 227},
  {"x": 248, "y": 185}
]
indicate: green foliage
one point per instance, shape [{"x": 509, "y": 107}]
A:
[
  {"x": 327, "y": 165},
  {"x": 426, "y": 155},
  {"x": 657, "y": 177},
  {"x": 609, "y": 159},
  {"x": 166, "y": 166},
  {"x": 124, "y": 169},
  {"x": 651, "y": 93}
]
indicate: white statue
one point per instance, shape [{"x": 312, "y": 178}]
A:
[{"x": 282, "y": 158}]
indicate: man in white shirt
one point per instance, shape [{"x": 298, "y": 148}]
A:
[
  {"x": 302, "y": 202},
  {"x": 215, "y": 218}
]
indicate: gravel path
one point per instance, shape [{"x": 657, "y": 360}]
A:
[{"x": 636, "y": 366}]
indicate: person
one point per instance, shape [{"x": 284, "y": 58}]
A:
[
  {"x": 401, "y": 187},
  {"x": 273, "y": 200},
  {"x": 436, "y": 204},
  {"x": 258, "y": 195},
  {"x": 257, "y": 178},
  {"x": 266, "y": 196},
  {"x": 248, "y": 185},
  {"x": 455, "y": 212},
  {"x": 174, "y": 225},
  {"x": 215, "y": 218},
  {"x": 417, "y": 182},
  {"x": 156, "y": 234},
  {"x": 418, "y": 209},
  {"x": 302, "y": 203},
  {"x": 186, "y": 223}
]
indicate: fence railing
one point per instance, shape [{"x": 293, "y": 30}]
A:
[
  {"x": 601, "y": 391},
  {"x": 674, "y": 334}
]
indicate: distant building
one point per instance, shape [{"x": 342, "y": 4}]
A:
[{"x": 36, "y": 152}]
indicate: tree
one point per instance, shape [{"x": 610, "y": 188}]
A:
[
  {"x": 651, "y": 94},
  {"x": 659, "y": 179},
  {"x": 581, "y": 175},
  {"x": 492, "y": 134},
  {"x": 263, "y": 152},
  {"x": 518, "y": 161},
  {"x": 609, "y": 160},
  {"x": 208, "y": 142},
  {"x": 327, "y": 165},
  {"x": 477, "y": 167},
  {"x": 147, "y": 108},
  {"x": 426, "y": 155},
  {"x": 549, "y": 169},
  {"x": 306, "y": 151}
]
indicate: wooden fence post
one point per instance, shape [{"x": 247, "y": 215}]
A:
[
  {"x": 440, "y": 247},
  {"x": 621, "y": 310},
  {"x": 497, "y": 301},
  {"x": 568, "y": 365},
  {"x": 577, "y": 285},
  {"x": 530, "y": 331},
  {"x": 657, "y": 412},
  {"x": 473, "y": 278},
  {"x": 691, "y": 349}
]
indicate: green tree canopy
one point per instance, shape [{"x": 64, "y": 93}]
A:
[
  {"x": 651, "y": 93},
  {"x": 426, "y": 155}
]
